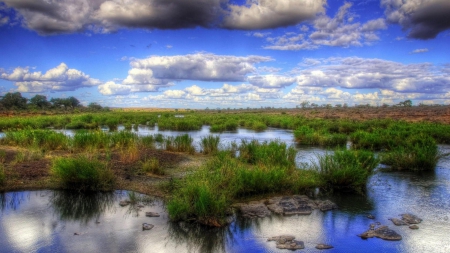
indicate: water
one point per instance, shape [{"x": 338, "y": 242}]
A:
[{"x": 46, "y": 221}]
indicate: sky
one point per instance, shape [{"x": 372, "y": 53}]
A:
[{"x": 227, "y": 53}]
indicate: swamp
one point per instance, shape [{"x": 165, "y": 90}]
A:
[{"x": 211, "y": 181}]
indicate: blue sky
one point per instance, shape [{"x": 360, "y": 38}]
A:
[{"x": 227, "y": 54}]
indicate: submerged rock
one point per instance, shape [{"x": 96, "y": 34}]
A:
[
  {"x": 411, "y": 219},
  {"x": 151, "y": 214},
  {"x": 253, "y": 209},
  {"x": 398, "y": 222},
  {"x": 382, "y": 232},
  {"x": 414, "y": 227},
  {"x": 324, "y": 246},
  {"x": 287, "y": 242},
  {"x": 325, "y": 205},
  {"x": 146, "y": 226},
  {"x": 370, "y": 216},
  {"x": 124, "y": 203}
]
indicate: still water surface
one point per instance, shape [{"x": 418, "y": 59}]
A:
[{"x": 59, "y": 221}]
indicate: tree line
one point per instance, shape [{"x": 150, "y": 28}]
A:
[{"x": 14, "y": 101}]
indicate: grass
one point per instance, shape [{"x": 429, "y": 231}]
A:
[
  {"x": 180, "y": 143},
  {"x": 206, "y": 194},
  {"x": 273, "y": 152},
  {"x": 210, "y": 144},
  {"x": 43, "y": 139},
  {"x": 82, "y": 173},
  {"x": 346, "y": 169},
  {"x": 152, "y": 166},
  {"x": 421, "y": 153}
]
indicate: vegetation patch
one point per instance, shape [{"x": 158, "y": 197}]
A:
[
  {"x": 82, "y": 173},
  {"x": 346, "y": 169}
]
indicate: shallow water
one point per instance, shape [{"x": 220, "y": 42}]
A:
[{"x": 58, "y": 221}]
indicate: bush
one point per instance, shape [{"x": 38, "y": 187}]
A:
[
  {"x": 420, "y": 153},
  {"x": 152, "y": 166},
  {"x": 82, "y": 173},
  {"x": 210, "y": 144},
  {"x": 346, "y": 169}
]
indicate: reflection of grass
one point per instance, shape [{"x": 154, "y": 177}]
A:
[
  {"x": 2, "y": 175},
  {"x": 346, "y": 169},
  {"x": 82, "y": 173},
  {"x": 83, "y": 207}
]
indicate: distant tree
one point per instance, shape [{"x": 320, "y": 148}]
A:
[
  {"x": 314, "y": 105},
  {"x": 406, "y": 103},
  {"x": 345, "y": 105},
  {"x": 14, "y": 101},
  {"x": 40, "y": 101},
  {"x": 72, "y": 102},
  {"x": 384, "y": 105},
  {"x": 304, "y": 104},
  {"x": 94, "y": 106},
  {"x": 338, "y": 105}
]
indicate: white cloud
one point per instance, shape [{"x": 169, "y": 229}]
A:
[
  {"x": 200, "y": 67},
  {"x": 265, "y": 14},
  {"x": 60, "y": 78},
  {"x": 418, "y": 51},
  {"x": 423, "y": 19},
  {"x": 337, "y": 31},
  {"x": 357, "y": 73},
  {"x": 271, "y": 81}
]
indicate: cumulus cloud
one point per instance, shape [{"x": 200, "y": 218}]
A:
[
  {"x": 338, "y": 31},
  {"x": 60, "y": 78},
  {"x": 200, "y": 67},
  {"x": 360, "y": 73},
  {"x": 271, "y": 81},
  {"x": 67, "y": 16},
  {"x": 156, "y": 72},
  {"x": 422, "y": 19},
  {"x": 265, "y": 14}
]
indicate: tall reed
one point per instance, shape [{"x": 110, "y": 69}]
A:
[{"x": 210, "y": 144}]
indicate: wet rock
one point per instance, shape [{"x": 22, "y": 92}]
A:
[
  {"x": 398, "y": 222},
  {"x": 411, "y": 219},
  {"x": 324, "y": 246},
  {"x": 146, "y": 226},
  {"x": 414, "y": 227},
  {"x": 325, "y": 205},
  {"x": 151, "y": 214},
  {"x": 297, "y": 204},
  {"x": 254, "y": 209},
  {"x": 382, "y": 232},
  {"x": 370, "y": 216},
  {"x": 287, "y": 242},
  {"x": 124, "y": 203}
]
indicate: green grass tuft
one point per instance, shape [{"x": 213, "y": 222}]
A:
[{"x": 82, "y": 173}]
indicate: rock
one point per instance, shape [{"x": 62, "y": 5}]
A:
[
  {"x": 414, "y": 227},
  {"x": 324, "y": 246},
  {"x": 254, "y": 209},
  {"x": 124, "y": 203},
  {"x": 325, "y": 205},
  {"x": 287, "y": 242},
  {"x": 398, "y": 222},
  {"x": 146, "y": 226},
  {"x": 281, "y": 238},
  {"x": 370, "y": 216},
  {"x": 151, "y": 214},
  {"x": 382, "y": 232},
  {"x": 411, "y": 219}
]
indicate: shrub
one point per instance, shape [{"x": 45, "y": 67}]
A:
[
  {"x": 82, "y": 173},
  {"x": 2, "y": 175},
  {"x": 420, "y": 153},
  {"x": 273, "y": 152},
  {"x": 152, "y": 166},
  {"x": 210, "y": 144},
  {"x": 346, "y": 169}
]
